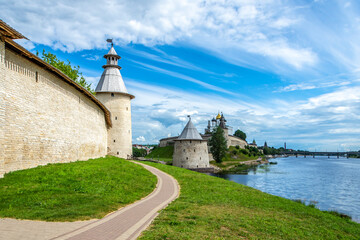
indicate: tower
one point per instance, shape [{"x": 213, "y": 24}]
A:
[
  {"x": 111, "y": 91},
  {"x": 190, "y": 150}
]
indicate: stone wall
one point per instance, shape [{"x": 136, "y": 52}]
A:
[
  {"x": 2, "y": 106},
  {"x": 234, "y": 141},
  {"x": 167, "y": 141},
  {"x": 191, "y": 154},
  {"x": 120, "y": 135},
  {"x": 44, "y": 119}
]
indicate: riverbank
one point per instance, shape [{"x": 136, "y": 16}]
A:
[
  {"x": 237, "y": 166},
  {"x": 328, "y": 184},
  {"x": 214, "y": 208}
]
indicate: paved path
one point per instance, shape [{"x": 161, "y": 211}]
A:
[{"x": 126, "y": 223}]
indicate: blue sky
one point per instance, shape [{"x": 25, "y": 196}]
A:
[{"x": 281, "y": 71}]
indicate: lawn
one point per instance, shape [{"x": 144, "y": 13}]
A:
[
  {"x": 214, "y": 208},
  {"x": 73, "y": 191},
  {"x": 162, "y": 153}
]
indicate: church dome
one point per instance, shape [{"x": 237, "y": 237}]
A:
[{"x": 218, "y": 116}]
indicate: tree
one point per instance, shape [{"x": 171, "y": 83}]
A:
[
  {"x": 139, "y": 152},
  {"x": 240, "y": 134},
  {"x": 71, "y": 71},
  {"x": 218, "y": 144}
]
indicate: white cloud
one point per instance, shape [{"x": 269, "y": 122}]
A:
[
  {"x": 325, "y": 120},
  {"x": 252, "y": 26},
  {"x": 140, "y": 139},
  {"x": 184, "y": 77}
]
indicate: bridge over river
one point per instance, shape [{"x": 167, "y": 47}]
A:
[{"x": 313, "y": 154}]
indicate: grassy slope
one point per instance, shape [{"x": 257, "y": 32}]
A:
[
  {"x": 73, "y": 191},
  {"x": 214, "y": 208},
  {"x": 162, "y": 153}
]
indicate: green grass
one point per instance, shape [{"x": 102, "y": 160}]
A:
[
  {"x": 214, "y": 208},
  {"x": 162, "y": 153},
  {"x": 73, "y": 191}
]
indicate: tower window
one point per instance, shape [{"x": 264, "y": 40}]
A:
[
  {"x": 127, "y": 108},
  {"x": 184, "y": 150},
  {"x": 200, "y": 158},
  {"x": 115, "y": 118},
  {"x": 114, "y": 140},
  {"x": 187, "y": 158},
  {"x": 36, "y": 76},
  {"x": 194, "y": 150},
  {"x": 112, "y": 94},
  {"x": 117, "y": 153}
]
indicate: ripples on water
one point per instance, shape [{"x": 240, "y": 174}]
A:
[{"x": 334, "y": 183}]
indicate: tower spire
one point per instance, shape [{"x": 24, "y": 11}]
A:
[{"x": 111, "y": 79}]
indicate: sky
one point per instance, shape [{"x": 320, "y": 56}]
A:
[{"x": 281, "y": 71}]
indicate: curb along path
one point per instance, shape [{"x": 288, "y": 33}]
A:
[{"x": 125, "y": 223}]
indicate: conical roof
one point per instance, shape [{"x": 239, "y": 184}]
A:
[
  {"x": 190, "y": 132},
  {"x": 112, "y": 51},
  {"x": 111, "y": 79}
]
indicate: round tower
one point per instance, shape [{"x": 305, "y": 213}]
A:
[
  {"x": 191, "y": 150},
  {"x": 111, "y": 91}
]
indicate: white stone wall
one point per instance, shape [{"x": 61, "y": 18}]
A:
[
  {"x": 191, "y": 154},
  {"x": 2, "y": 106},
  {"x": 234, "y": 141},
  {"x": 119, "y": 135},
  {"x": 46, "y": 120}
]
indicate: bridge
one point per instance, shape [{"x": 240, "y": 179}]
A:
[{"x": 313, "y": 154}]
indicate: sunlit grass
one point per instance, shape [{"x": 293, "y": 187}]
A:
[
  {"x": 73, "y": 191},
  {"x": 214, "y": 208}
]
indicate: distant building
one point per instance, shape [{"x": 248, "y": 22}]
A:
[
  {"x": 253, "y": 144},
  {"x": 217, "y": 121}
]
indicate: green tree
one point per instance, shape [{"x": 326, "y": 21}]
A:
[
  {"x": 218, "y": 144},
  {"x": 73, "y": 72},
  {"x": 139, "y": 152},
  {"x": 240, "y": 134}
]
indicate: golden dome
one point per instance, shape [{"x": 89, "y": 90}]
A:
[{"x": 218, "y": 116}]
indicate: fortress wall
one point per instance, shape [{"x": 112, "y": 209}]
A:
[
  {"x": 46, "y": 120},
  {"x": 2, "y": 106},
  {"x": 233, "y": 141},
  {"x": 191, "y": 154},
  {"x": 167, "y": 142},
  {"x": 120, "y": 135}
]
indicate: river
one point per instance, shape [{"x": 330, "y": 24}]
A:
[{"x": 333, "y": 183}]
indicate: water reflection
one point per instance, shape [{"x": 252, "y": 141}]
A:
[{"x": 333, "y": 183}]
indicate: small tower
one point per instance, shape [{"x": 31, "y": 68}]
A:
[
  {"x": 111, "y": 91},
  {"x": 191, "y": 150}
]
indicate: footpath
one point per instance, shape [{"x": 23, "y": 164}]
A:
[{"x": 126, "y": 223}]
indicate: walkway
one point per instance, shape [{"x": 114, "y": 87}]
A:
[{"x": 126, "y": 223}]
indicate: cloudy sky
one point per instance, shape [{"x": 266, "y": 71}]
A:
[{"x": 281, "y": 71}]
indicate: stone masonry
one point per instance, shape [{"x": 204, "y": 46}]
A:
[{"x": 44, "y": 119}]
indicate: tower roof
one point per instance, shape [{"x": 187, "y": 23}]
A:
[
  {"x": 112, "y": 53},
  {"x": 190, "y": 132},
  {"x": 218, "y": 116},
  {"x": 111, "y": 79}
]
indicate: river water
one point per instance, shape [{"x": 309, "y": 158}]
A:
[{"x": 333, "y": 183}]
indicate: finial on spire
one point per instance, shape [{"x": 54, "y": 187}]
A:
[
  {"x": 109, "y": 40},
  {"x": 189, "y": 116}
]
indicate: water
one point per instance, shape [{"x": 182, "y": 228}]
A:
[{"x": 334, "y": 183}]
